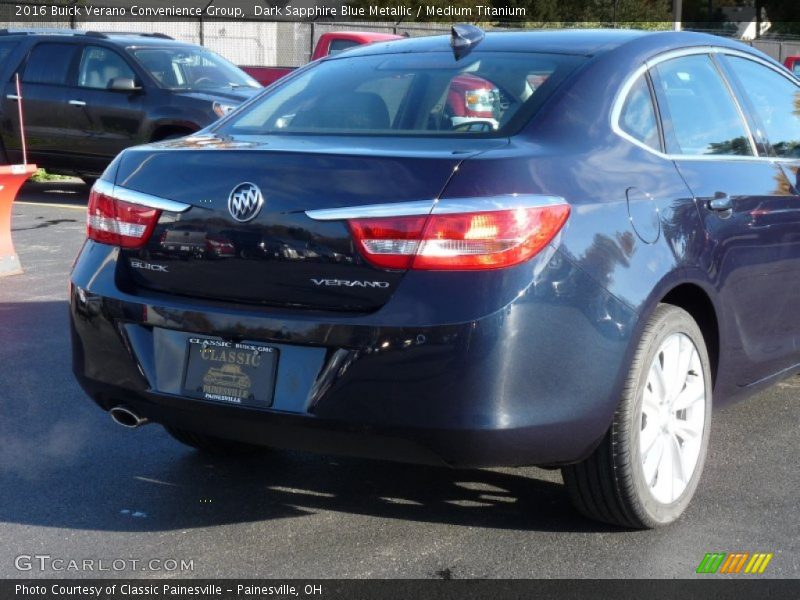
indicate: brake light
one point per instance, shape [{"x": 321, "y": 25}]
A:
[
  {"x": 461, "y": 241},
  {"x": 389, "y": 243},
  {"x": 113, "y": 221}
]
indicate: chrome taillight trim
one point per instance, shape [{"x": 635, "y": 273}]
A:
[
  {"x": 450, "y": 206},
  {"x": 369, "y": 211},
  {"x": 438, "y": 207},
  {"x": 132, "y": 196}
]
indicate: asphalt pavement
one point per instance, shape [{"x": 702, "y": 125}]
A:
[{"x": 75, "y": 486}]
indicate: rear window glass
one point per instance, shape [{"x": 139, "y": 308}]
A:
[
  {"x": 5, "y": 50},
  {"x": 340, "y": 46},
  {"x": 49, "y": 64},
  {"x": 487, "y": 94}
]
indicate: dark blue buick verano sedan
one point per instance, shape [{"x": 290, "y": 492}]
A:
[{"x": 341, "y": 265}]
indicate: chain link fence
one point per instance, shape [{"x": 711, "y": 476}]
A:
[
  {"x": 271, "y": 43},
  {"x": 777, "y": 50},
  {"x": 243, "y": 41}
]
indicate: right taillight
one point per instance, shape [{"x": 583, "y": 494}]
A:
[
  {"x": 459, "y": 241},
  {"x": 113, "y": 221}
]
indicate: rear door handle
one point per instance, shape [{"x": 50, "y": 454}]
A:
[
  {"x": 77, "y": 103},
  {"x": 721, "y": 202},
  {"x": 12, "y": 96}
]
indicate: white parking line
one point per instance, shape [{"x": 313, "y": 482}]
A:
[{"x": 51, "y": 204}]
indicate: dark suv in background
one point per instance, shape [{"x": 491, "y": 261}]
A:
[{"x": 88, "y": 95}]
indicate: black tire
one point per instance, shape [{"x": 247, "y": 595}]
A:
[
  {"x": 213, "y": 445},
  {"x": 610, "y": 485},
  {"x": 4, "y": 160}
]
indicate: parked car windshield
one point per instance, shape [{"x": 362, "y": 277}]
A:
[
  {"x": 189, "y": 68},
  {"x": 488, "y": 94}
]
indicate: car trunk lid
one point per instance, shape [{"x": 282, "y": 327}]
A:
[{"x": 281, "y": 256}]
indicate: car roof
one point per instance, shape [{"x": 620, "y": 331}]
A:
[
  {"x": 122, "y": 38},
  {"x": 580, "y": 42}
]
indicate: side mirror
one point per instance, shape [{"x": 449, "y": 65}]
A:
[{"x": 123, "y": 84}]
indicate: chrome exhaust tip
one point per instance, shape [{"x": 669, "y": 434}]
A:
[{"x": 127, "y": 418}]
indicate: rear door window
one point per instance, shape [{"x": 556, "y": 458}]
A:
[
  {"x": 699, "y": 110},
  {"x": 776, "y": 102},
  {"x": 49, "y": 63}
]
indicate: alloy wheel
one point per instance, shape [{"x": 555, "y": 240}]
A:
[{"x": 672, "y": 418}]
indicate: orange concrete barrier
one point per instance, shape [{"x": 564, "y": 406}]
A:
[{"x": 11, "y": 179}]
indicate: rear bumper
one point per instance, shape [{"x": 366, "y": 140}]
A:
[
  {"x": 453, "y": 447},
  {"x": 532, "y": 380}
]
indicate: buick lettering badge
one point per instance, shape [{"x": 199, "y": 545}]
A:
[{"x": 245, "y": 202}]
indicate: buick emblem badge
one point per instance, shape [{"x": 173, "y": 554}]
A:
[{"x": 245, "y": 202}]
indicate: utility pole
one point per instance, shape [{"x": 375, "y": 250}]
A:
[
  {"x": 758, "y": 18},
  {"x": 677, "y": 9}
]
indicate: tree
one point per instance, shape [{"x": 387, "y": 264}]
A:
[
  {"x": 450, "y": 8},
  {"x": 784, "y": 15}
]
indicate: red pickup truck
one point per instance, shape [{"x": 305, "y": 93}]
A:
[
  {"x": 793, "y": 64},
  {"x": 328, "y": 43},
  {"x": 470, "y": 98}
]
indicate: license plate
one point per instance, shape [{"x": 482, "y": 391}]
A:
[{"x": 240, "y": 373}]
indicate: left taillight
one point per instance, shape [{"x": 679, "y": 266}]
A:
[{"x": 113, "y": 221}]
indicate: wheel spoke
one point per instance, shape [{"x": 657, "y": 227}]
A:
[
  {"x": 680, "y": 468},
  {"x": 649, "y": 435},
  {"x": 652, "y": 459},
  {"x": 688, "y": 429},
  {"x": 670, "y": 357},
  {"x": 657, "y": 380},
  {"x": 650, "y": 403},
  {"x": 686, "y": 355},
  {"x": 694, "y": 392},
  {"x": 664, "y": 483}
]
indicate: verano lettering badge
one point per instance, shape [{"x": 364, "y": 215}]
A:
[
  {"x": 350, "y": 283},
  {"x": 245, "y": 202}
]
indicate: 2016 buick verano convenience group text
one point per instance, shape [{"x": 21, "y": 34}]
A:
[{"x": 341, "y": 266}]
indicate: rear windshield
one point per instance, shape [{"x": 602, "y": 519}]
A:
[{"x": 483, "y": 94}]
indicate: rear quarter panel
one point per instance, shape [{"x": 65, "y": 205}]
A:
[{"x": 618, "y": 191}]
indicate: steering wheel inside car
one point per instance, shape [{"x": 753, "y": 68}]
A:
[{"x": 477, "y": 126}]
